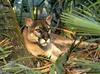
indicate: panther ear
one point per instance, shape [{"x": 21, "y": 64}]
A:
[
  {"x": 49, "y": 19},
  {"x": 28, "y": 22}
]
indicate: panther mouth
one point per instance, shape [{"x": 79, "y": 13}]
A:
[{"x": 44, "y": 44}]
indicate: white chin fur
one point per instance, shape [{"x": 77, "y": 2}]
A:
[
  {"x": 42, "y": 41},
  {"x": 45, "y": 44}
]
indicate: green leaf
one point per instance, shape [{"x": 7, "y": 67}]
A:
[
  {"x": 16, "y": 68},
  {"x": 98, "y": 48},
  {"x": 5, "y": 54},
  {"x": 79, "y": 23},
  {"x": 1, "y": 49},
  {"x": 59, "y": 63},
  {"x": 89, "y": 64},
  {"x": 52, "y": 70}
]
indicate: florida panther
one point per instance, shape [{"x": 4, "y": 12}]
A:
[{"x": 37, "y": 40}]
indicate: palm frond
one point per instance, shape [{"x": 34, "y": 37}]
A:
[
  {"x": 81, "y": 24},
  {"x": 5, "y": 47},
  {"x": 94, "y": 66},
  {"x": 8, "y": 24}
]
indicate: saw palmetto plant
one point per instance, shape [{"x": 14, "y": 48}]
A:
[
  {"x": 5, "y": 49},
  {"x": 84, "y": 20},
  {"x": 81, "y": 24}
]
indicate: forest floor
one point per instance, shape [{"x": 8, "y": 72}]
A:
[{"x": 86, "y": 50}]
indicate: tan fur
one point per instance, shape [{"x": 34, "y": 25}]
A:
[{"x": 34, "y": 48}]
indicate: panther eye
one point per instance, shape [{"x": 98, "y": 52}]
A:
[
  {"x": 37, "y": 33},
  {"x": 38, "y": 30}
]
